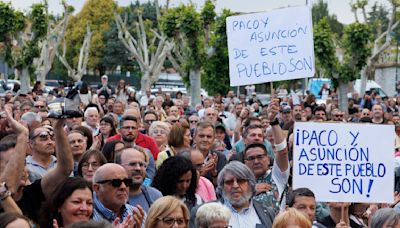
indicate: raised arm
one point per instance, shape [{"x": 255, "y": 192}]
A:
[
  {"x": 282, "y": 157},
  {"x": 15, "y": 166},
  {"x": 65, "y": 162}
]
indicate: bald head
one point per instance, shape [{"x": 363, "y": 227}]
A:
[
  {"x": 108, "y": 171},
  {"x": 133, "y": 112}
]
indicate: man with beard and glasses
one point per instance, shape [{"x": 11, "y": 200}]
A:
[
  {"x": 128, "y": 134},
  {"x": 135, "y": 163},
  {"x": 237, "y": 186},
  {"x": 110, "y": 195}
]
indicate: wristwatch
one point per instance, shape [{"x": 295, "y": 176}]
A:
[{"x": 4, "y": 192}]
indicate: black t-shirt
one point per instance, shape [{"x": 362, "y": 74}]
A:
[{"x": 32, "y": 200}]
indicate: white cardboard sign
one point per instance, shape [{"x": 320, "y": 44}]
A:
[
  {"x": 270, "y": 46},
  {"x": 343, "y": 162}
]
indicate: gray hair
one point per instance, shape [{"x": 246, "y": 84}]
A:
[
  {"x": 29, "y": 117},
  {"x": 385, "y": 215},
  {"x": 238, "y": 170},
  {"x": 159, "y": 124},
  {"x": 210, "y": 212},
  {"x": 90, "y": 109}
]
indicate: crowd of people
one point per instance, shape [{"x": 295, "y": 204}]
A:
[{"x": 125, "y": 161}]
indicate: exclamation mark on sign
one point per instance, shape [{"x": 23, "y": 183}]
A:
[{"x": 369, "y": 187}]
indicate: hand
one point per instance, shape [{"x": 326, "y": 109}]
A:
[
  {"x": 55, "y": 223},
  {"x": 59, "y": 123},
  {"x": 15, "y": 125},
  {"x": 127, "y": 223},
  {"x": 262, "y": 187},
  {"x": 138, "y": 216},
  {"x": 273, "y": 109},
  {"x": 96, "y": 142}
]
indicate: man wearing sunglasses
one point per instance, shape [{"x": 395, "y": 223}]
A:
[
  {"x": 42, "y": 145},
  {"x": 110, "y": 195}
]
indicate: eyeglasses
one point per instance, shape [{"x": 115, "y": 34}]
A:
[
  {"x": 170, "y": 221},
  {"x": 253, "y": 158},
  {"x": 94, "y": 165},
  {"x": 44, "y": 135},
  {"x": 161, "y": 132},
  {"x": 117, "y": 182},
  {"x": 135, "y": 164},
  {"x": 238, "y": 181}
]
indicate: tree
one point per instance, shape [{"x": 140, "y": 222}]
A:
[
  {"x": 145, "y": 45},
  {"x": 97, "y": 14},
  {"x": 190, "y": 32},
  {"x": 20, "y": 36},
  {"x": 320, "y": 10},
  {"x": 355, "y": 47},
  {"x": 216, "y": 68},
  {"x": 381, "y": 42},
  {"x": 77, "y": 73},
  {"x": 49, "y": 45}
]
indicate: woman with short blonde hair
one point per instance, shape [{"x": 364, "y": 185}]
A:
[
  {"x": 166, "y": 211},
  {"x": 159, "y": 131},
  {"x": 291, "y": 217},
  {"x": 212, "y": 214}
]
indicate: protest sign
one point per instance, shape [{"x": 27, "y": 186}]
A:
[
  {"x": 343, "y": 162},
  {"x": 270, "y": 46}
]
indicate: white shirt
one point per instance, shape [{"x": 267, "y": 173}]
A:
[{"x": 246, "y": 218}]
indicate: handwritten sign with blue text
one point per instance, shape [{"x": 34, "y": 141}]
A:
[
  {"x": 345, "y": 162},
  {"x": 270, "y": 46}
]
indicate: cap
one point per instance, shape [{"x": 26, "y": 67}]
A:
[
  {"x": 253, "y": 93},
  {"x": 286, "y": 109},
  {"x": 104, "y": 77}
]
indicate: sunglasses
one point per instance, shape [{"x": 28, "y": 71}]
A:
[
  {"x": 338, "y": 115},
  {"x": 44, "y": 135},
  {"x": 174, "y": 121},
  {"x": 194, "y": 121},
  {"x": 40, "y": 106},
  {"x": 238, "y": 181},
  {"x": 117, "y": 182}
]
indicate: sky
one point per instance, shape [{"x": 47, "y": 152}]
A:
[{"x": 339, "y": 7}]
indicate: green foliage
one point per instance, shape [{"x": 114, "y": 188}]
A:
[
  {"x": 356, "y": 44},
  {"x": 215, "y": 77},
  {"x": 208, "y": 12},
  {"x": 356, "y": 50},
  {"x": 378, "y": 19},
  {"x": 320, "y": 10},
  {"x": 324, "y": 47},
  {"x": 97, "y": 14},
  {"x": 10, "y": 21},
  {"x": 39, "y": 20},
  {"x": 169, "y": 22}
]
